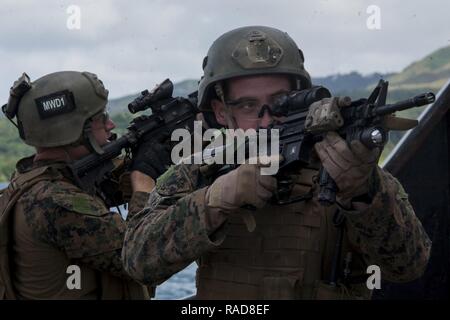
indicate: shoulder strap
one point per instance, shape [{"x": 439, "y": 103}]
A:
[
  {"x": 21, "y": 183},
  {"x": 8, "y": 199}
]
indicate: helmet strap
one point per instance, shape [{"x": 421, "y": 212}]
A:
[
  {"x": 229, "y": 118},
  {"x": 89, "y": 139}
]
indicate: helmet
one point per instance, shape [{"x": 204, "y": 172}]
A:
[
  {"x": 55, "y": 108},
  {"x": 249, "y": 51}
]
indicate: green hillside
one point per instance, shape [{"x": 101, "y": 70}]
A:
[
  {"x": 428, "y": 74},
  {"x": 11, "y": 148}
]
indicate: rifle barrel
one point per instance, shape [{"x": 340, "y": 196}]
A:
[
  {"x": 417, "y": 101},
  {"x": 111, "y": 150}
]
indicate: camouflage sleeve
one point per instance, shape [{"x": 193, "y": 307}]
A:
[
  {"x": 78, "y": 224},
  {"x": 137, "y": 202},
  {"x": 388, "y": 233},
  {"x": 168, "y": 235}
]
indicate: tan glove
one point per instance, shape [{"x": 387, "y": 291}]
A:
[
  {"x": 242, "y": 186},
  {"x": 349, "y": 166}
]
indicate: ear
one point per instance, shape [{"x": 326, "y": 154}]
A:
[{"x": 219, "y": 111}]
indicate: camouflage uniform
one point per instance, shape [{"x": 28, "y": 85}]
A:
[
  {"x": 175, "y": 226},
  {"x": 47, "y": 222},
  {"x": 56, "y": 224},
  {"x": 293, "y": 251}
]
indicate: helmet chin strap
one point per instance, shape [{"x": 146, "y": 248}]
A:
[
  {"x": 229, "y": 118},
  {"x": 89, "y": 139}
]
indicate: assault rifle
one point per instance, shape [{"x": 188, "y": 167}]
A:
[
  {"x": 309, "y": 114},
  {"x": 93, "y": 172},
  {"x": 367, "y": 120}
]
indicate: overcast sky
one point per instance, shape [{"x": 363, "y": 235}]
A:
[{"x": 132, "y": 45}]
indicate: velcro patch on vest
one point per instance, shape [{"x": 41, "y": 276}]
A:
[{"x": 55, "y": 104}]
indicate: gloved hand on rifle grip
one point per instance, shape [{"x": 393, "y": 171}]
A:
[
  {"x": 350, "y": 166},
  {"x": 152, "y": 155},
  {"x": 240, "y": 187}
]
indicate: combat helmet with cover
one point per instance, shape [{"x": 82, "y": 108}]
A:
[
  {"x": 55, "y": 109},
  {"x": 252, "y": 50}
]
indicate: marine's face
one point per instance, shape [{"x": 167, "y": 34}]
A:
[
  {"x": 250, "y": 98},
  {"x": 102, "y": 126}
]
